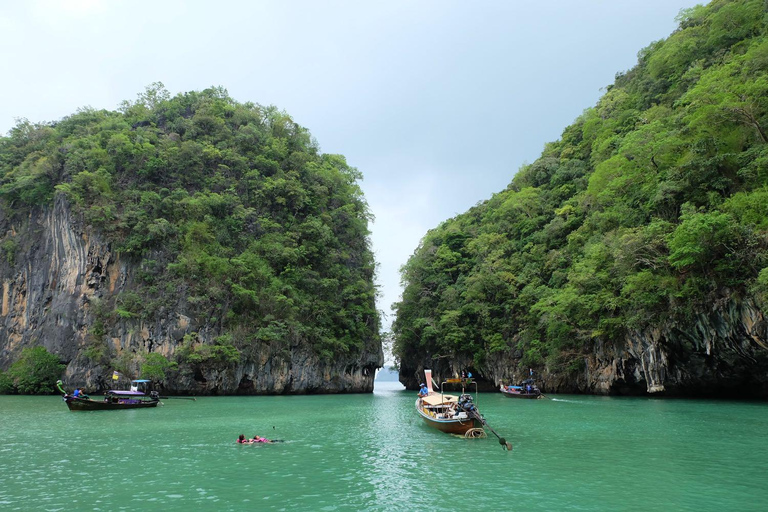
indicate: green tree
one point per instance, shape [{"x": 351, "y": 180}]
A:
[
  {"x": 701, "y": 240},
  {"x": 35, "y": 372},
  {"x": 154, "y": 366},
  {"x": 229, "y": 209},
  {"x": 650, "y": 207}
]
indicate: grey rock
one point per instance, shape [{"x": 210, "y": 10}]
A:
[
  {"x": 63, "y": 271},
  {"x": 722, "y": 351}
]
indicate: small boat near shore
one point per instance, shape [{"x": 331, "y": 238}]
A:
[
  {"x": 527, "y": 389},
  {"x": 113, "y": 399},
  {"x": 442, "y": 411},
  {"x": 454, "y": 414}
]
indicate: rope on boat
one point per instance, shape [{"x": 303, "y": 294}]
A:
[
  {"x": 465, "y": 403},
  {"x": 475, "y": 433},
  {"x": 503, "y": 442}
]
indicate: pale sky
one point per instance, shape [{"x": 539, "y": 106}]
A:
[{"x": 437, "y": 103}]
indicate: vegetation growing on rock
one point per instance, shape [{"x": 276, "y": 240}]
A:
[
  {"x": 652, "y": 206},
  {"x": 228, "y": 212},
  {"x": 35, "y": 373}
]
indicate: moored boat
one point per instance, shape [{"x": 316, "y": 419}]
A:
[
  {"x": 527, "y": 389},
  {"x": 448, "y": 413},
  {"x": 453, "y": 414},
  {"x": 113, "y": 399}
]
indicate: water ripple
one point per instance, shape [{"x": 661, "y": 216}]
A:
[{"x": 371, "y": 452}]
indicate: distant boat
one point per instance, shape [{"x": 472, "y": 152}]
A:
[
  {"x": 527, "y": 389},
  {"x": 450, "y": 413},
  {"x": 113, "y": 399}
]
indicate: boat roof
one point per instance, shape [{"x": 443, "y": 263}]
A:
[
  {"x": 123, "y": 392},
  {"x": 141, "y": 380},
  {"x": 437, "y": 399}
]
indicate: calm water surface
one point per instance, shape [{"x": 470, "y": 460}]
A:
[{"x": 371, "y": 452}]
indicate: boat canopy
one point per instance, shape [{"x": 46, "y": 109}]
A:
[
  {"x": 141, "y": 380},
  {"x": 437, "y": 399},
  {"x": 126, "y": 393}
]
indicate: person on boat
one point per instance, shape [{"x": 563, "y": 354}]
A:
[
  {"x": 77, "y": 393},
  {"x": 423, "y": 390}
]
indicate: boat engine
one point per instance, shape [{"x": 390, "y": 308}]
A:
[{"x": 466, "y": 403}]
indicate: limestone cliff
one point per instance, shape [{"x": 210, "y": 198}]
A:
[
  {"x": 722, "y": 352},
  {"x": 632, "y": 255},
  {"x": 61, "y": 273}
]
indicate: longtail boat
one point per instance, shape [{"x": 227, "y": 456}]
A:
[
  {"x": 454, "y": 414},
  {"x": 113, "y": 399},
  {"x": 527, "y": 389},
  {"x": 449, "y": 413}
]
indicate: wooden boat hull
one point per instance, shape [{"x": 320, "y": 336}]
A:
[
  {"x": 522, "y": 395},
  {"x": 86, "y": 404},
  {"x": 450, "y": 426}
]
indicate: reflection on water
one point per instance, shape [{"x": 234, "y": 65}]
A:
[{"x": 371, "y": 452}]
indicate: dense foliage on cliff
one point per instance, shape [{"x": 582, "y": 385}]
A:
[
  {"x": 653, "y": 204},
  {"x": 35, "y": 373},
  {"x": 230, "y": 210}
]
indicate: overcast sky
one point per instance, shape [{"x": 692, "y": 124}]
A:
[{"x": 437, "y": 103}]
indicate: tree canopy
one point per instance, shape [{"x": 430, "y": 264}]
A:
[
  {"x": 651, "y": 205},
  {"x": 35, "y": 373},
  {"x": 229, "y": 211}
]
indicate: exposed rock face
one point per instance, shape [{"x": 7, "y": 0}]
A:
[
  {"x": 61, "y": 272},
  {"x": 723, "y": 352}
]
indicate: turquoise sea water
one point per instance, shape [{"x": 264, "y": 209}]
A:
[{"x": 371, "y": 452}]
